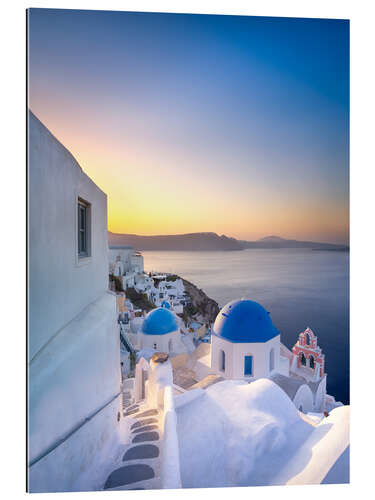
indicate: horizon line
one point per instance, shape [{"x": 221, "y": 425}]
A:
[{"x": 230, "y": 237}]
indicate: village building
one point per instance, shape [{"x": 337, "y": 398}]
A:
[
  {"x": 72, "y": 329},
  {"x": 126, "y": 264}
]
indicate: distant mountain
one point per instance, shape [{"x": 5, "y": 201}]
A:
[
  {"x": 277, "y": 242},
  {"x": 212, "y": 241},
  {"x": 272, "y": 239},
  {"x": 183, "y": 242}
]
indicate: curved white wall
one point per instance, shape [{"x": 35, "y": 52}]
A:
[
  {"x": 78, "y": 372},
  {"x": 319, "y": 454},
  {"x": 304, "y": 399},
  {"x": 320, "y": 395},
  {"x": 63, "y": 468}
]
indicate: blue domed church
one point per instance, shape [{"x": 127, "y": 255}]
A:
[
  {"x": 245, "y": 343},
  {"x": 160, "y": 330}
]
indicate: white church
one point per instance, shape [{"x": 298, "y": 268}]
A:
[
  {"x": 160, "y": 330},
  {"x": 245, "y": 345}
]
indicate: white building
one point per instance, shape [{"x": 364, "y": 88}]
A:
[
  {"x": 126, "y": 264},
  {"x": 120, "y": 259},
  {"x": 73, "y": 349},
  {"x": 245, "y": 345},
  {"x": 161, "y": 290},
  {"x": 137, "y": 263},
  {"x": 160, "y": 331}
]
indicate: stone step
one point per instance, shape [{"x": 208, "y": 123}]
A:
[
  {"x": 146, "y": 436},
  {"x": 145, "y": 421},
  {"x": 140, "y": 463},
  {"x": 145, "y": 428},
  {"x": 129, "y": 474},
  {"x": 141, "y": 452},
  {"x": 131, "y": 412},
  {"x": 147, "y": 413}
]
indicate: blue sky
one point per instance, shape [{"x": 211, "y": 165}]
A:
[{"x": 243, "y": 122}]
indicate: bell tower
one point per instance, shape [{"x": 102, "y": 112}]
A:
[{"x": 308, "y": 352}]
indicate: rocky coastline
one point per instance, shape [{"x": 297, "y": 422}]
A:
[{"x": 201, "y": 308}]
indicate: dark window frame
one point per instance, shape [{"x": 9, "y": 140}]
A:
[
  {"x": 248, "y": 372},
  {"x": 83, "y": 229}
]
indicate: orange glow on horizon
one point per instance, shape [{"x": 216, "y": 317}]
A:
[{"x": 147, "y": 197}]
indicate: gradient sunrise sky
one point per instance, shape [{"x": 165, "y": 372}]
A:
[{"x": 237, "y": 125}]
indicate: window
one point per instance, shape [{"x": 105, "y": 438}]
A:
[
  {"x": 248, "y": 365},
  {"x": 272, "y": 359},
  {"x": 312, "y": 364},
  {"x": 222, "y": 361},
  {"x": 83, "y": 229}
]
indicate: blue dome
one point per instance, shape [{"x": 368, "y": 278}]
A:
[
  {"x": 244, "y": 321},
  {"x": 165, "y": 304},
  {"x": 159, "y": 322}
]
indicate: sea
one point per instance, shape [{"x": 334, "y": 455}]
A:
[{"x": 299, "y": 287}]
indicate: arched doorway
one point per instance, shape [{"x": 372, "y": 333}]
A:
[
  {"x": 170, "y": 345},
  {"x": 303, "y": 359},
  {"x": 312, "y": 362},
  {"x": 248, "y": 365}
]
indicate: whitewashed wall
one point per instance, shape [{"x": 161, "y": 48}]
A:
[
  {"x": 74, "y": 348},
  {"x": 125, "y": 256},
  {"x": 160, "y": 395},
  {"x": 235, "y": 353},
  {"x": 137, "y": 263},
  {"x": 60, "y": 286},
  {"x": 162, "y": 341}
]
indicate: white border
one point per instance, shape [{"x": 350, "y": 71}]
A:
[{"x": 12, "y": 364}]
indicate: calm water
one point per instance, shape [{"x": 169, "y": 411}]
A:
[{"x": 300, "y": 288}]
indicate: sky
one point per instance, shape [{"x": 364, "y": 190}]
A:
[{"x": 191, "y": 123}]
